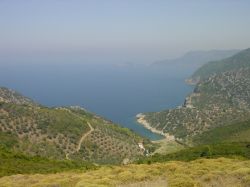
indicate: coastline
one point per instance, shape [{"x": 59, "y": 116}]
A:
[{"x": 140, "y": 118}]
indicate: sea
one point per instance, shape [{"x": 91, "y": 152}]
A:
[{"x": 116, "y": 91}]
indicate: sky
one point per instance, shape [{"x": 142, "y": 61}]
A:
[{"x": 128, "y": 30}]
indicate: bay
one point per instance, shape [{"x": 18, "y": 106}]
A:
[{"x": 115, "y": 91}]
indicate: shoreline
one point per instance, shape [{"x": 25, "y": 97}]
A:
[{"x": 140, "y": 118}]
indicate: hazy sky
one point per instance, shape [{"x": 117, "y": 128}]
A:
[{"x": 127, "y": 29}]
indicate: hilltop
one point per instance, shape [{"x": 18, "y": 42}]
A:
[
  {"x": 220, "y": 98},
  {"x": 235, "y": 62},
  {"x": 70, "y": 133},
  {"x": 11, "y": 96}
]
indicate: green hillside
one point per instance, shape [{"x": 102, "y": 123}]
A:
[
  {"x": 63, "y": 133},
  {"x": 17, "y": 163},
  {"x": 236, "y": 132},
  {"x": 220, "y": 100},
  {"x": 228, "y": 149}
]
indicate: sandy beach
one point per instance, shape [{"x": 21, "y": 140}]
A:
[{"x": 141, "y": 119}]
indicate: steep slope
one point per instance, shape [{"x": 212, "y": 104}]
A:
[
  {"x": 235, "y": 132},
  {"x": 221, "y": 99},
  {"x": 63, "y": 132}
]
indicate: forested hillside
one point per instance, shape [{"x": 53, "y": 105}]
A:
[
  {"x": 64, "y": 132},
  {"x": 222, "y": 98}
]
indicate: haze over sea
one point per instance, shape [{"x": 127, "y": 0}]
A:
[{"x": 117, "y": 91}]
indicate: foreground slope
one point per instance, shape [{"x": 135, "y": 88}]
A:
[
  {"x": 12, "y": 162},
  {"x": 203, "y": 172},
  {"x": 221, "y": 99},
  {"x": 63, "y": 132}
]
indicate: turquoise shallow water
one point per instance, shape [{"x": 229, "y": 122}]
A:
[{"x": 117, "y": 93}]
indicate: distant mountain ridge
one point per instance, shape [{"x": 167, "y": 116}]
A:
[
  {"x": 240, "y": 60},
  {"x": 193, "y": 60},
  {"x": 199, "y": 57}
]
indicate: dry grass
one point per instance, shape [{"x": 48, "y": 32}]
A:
[
  {"x": 219, "y": 172},
  {"x": 155, "y": 183}
]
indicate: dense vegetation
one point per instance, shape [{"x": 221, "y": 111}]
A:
[
  {"x": 221, "y": 99},
  {"x": 236, "y": 132},
  {"x": 230, "y": 149},
  {"x": 17, "y": 163}
]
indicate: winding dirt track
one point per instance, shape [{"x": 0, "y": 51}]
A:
[{"x": 84, "y": 136}]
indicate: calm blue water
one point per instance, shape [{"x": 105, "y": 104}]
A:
[{"x": 115, "y": 92}]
